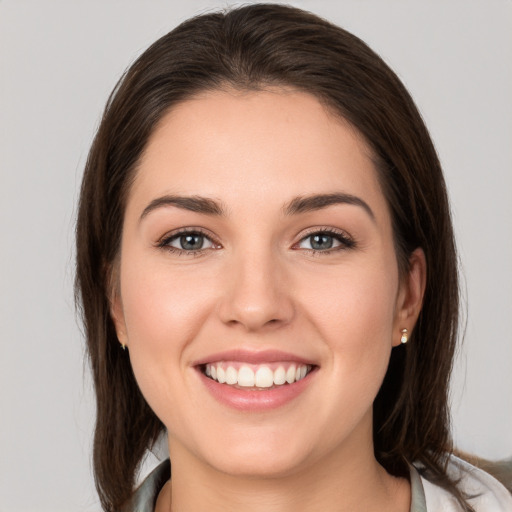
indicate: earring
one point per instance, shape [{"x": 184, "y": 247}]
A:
[
  {"x": 123, "y": 346},
  {"x": 405, "y": 336}
]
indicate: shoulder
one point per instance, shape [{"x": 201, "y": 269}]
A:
[
  {"x": 144, "y": 498},
  {"x": 484, "y": 492}
]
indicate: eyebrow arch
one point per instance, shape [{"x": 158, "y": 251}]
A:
[
  {"x": 298, "y": 205},
  {"x": 318, "y": 201},
  {"x": 192, "y": 203}
]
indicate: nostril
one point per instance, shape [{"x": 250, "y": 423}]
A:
[{"x": 256, "y": 304}]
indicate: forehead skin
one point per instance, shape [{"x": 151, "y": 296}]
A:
[{"x": 193, "y": 150}]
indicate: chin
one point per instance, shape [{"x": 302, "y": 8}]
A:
[
  {"x": 260, "y": 466},
  {"x": 265, "y": 456}
]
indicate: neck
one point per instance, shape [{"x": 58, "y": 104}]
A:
[{"x": 338, "y": 482}]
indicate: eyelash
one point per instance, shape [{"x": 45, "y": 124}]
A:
[
  {"x": 346, "y": 242},
  {"x": 167, "y": 239}
]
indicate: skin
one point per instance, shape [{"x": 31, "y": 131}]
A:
[{"x": 257, "y": 286}]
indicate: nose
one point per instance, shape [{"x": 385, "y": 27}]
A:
[{"x": 257, "y": 292}]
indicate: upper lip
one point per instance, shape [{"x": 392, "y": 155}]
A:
[{"x": 252, "y": 357}]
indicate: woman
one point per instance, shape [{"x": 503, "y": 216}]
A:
[{"x": 264, "y": 229}]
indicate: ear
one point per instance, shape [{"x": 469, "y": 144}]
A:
[
  {"x": 410, "y": 296},
  {"x": 116, "y": 308},
  {"x": 117, "y": 314}
]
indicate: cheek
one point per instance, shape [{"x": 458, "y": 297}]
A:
[
  {"x": 163, "y": 308},
  {"x": 163, "y": 313},
  {"x": 354, "y": 313},
  {"x": 353, "y": 305}
]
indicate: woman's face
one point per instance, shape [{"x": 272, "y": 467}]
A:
[{"x": 257, "y": 247}]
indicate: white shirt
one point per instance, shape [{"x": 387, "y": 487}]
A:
[{"x": 489, "y": 495}]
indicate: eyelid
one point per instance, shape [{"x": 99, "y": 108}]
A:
[
  {"x": 346, "y": 241},
  {"x": 163, "y": 241}
]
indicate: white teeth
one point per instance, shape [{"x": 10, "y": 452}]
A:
[
  {"x": 263, "y": 377},
  {"x": 246, "y": 377},
  {"x": 279, "y": 376},
  {"x": 290, "y": 374},
  {"x": 231, "y": 376},
  {"x": 221, "y": 375}
]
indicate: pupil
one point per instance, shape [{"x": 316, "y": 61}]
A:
[
  {"x": 191, "y": 242},
  {"x": 321, "y": 242}
]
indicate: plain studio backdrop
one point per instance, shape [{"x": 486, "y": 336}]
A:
[{"x": 58, "y": 62}]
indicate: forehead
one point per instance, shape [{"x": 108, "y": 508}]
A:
[{"x": 265, "y": 147}]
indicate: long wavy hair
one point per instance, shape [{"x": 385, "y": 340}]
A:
[{"x": 251, "y": 48}]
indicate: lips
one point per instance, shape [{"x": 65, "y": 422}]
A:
[
  {"x": 252, "y": 357},
  {"x": 255, "y": 380}
]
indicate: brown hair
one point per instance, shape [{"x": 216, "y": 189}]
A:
[{"x": 254, "y": 47}]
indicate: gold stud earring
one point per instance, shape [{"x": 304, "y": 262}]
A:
[
  {"x": 123, "y": 346},
  {"x": 405, "y": 336}
]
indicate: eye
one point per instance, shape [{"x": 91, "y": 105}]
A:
[
  {"x": 187, "y": 242},
  {"x": 326, "y": 241}
]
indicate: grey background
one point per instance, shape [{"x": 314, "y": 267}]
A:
[{"x": 58, "y": 62}]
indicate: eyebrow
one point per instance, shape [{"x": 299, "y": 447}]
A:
[
  {"x": 319, "y": 201},
  {"x": 296, "y": 206},
  {"x": 196, "y": 204}
]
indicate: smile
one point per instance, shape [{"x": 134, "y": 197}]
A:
[
  {"x": 263, "y": 376},
  {"x": 255, "y": 381}
]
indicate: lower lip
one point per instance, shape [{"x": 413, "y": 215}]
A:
[{"x": 255, "y": 400}]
